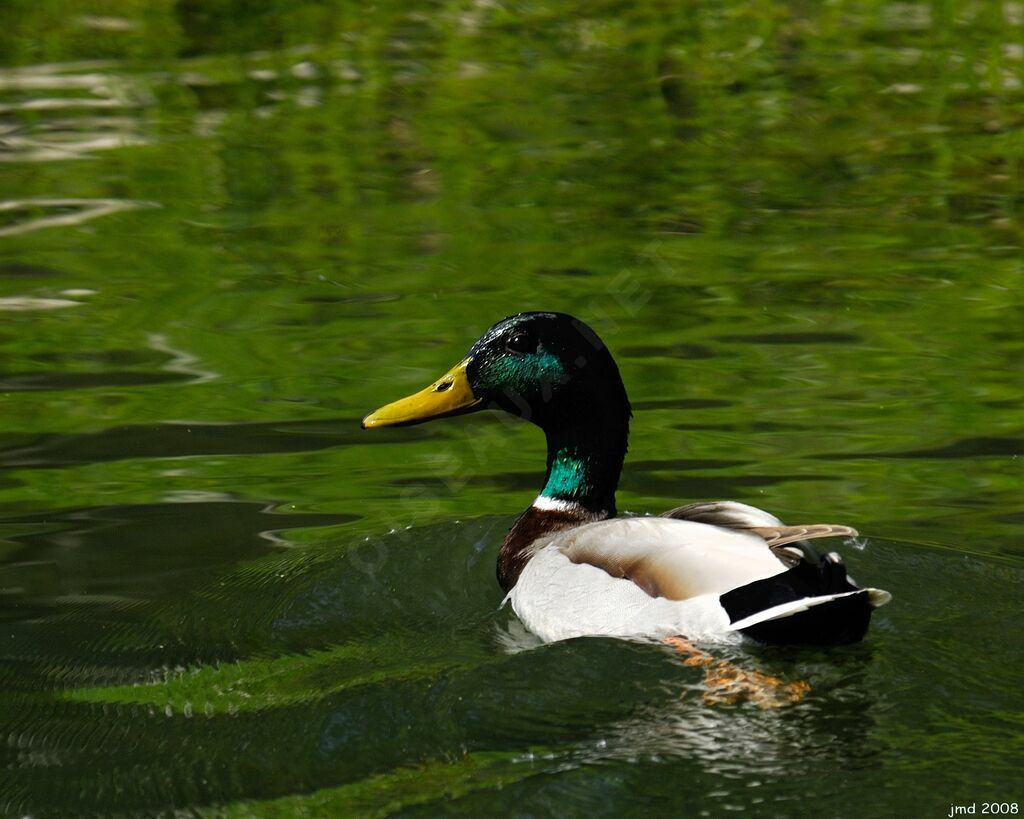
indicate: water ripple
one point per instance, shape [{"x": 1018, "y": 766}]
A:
[
  {"x": 172, "y": 440},
  {"x": 66, "y": 212}
]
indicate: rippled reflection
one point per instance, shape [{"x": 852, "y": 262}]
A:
[{"x": 25, "y": 215}]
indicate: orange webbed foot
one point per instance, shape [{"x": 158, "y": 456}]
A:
[{"x": 728, "y": 684}]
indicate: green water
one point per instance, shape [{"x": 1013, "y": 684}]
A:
[{"x": 228, "y": 230}]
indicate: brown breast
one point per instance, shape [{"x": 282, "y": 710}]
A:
[{"x": 533, "y": 526}]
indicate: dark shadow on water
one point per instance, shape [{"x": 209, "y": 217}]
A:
[
  {"x": 570, "y": 272},
  {"x": 141, "y": 550},
  {"x": 531, "y": 480},
  {"x": 144, "y": 357},
  {"x": 641, "y": 479},
  {"x": 742, "y": 426},
  {"x": 18, "y": 382},
  {"x": 106, "y": 368},
  {"x": 979, "y": 447},
  {"x": 26, "y": 270},
  {"x": 362, "y": 298},
  {"x": 793, "y": 338},
  {"x": 86, "y": 591},
  {"x": 703, "y": 486},
  {"x": 681, "y": 465},
  {"x": 684, "y": 351},
  {"x": 681, "y": 404},
  {"x": 171, "y": 440}
]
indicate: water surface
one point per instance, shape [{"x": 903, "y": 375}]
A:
[{"x": 227, "y": 235}]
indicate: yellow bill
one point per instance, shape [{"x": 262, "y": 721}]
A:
[{"x": 449, "y": 395}]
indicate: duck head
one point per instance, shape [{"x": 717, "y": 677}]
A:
[{"x": 550, "y": 369}]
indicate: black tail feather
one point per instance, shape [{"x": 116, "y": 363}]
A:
[{"x": 843, "y": 620}]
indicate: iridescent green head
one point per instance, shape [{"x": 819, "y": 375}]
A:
[{"x": 548, "y": 368}]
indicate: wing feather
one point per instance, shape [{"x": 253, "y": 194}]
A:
[
  {"x": 675, "y": 559},
  {"x": 776, "y": 536},
  {"x": 742, "y": 517}
]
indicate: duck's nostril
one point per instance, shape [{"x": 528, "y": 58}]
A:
[{"x": 444, "y": 385}]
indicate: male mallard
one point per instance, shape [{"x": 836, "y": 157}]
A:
[{"x": 571, "y": 568}]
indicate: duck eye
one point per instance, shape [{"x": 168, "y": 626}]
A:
[{"x": 520, "y": 343}]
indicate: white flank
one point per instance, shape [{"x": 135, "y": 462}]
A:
[{"x": 557, "y": 598}]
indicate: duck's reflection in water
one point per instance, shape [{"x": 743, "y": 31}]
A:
[{"x": 831, "y": 728}]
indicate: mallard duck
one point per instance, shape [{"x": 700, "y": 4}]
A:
[{"x": 705, "y": 571}]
